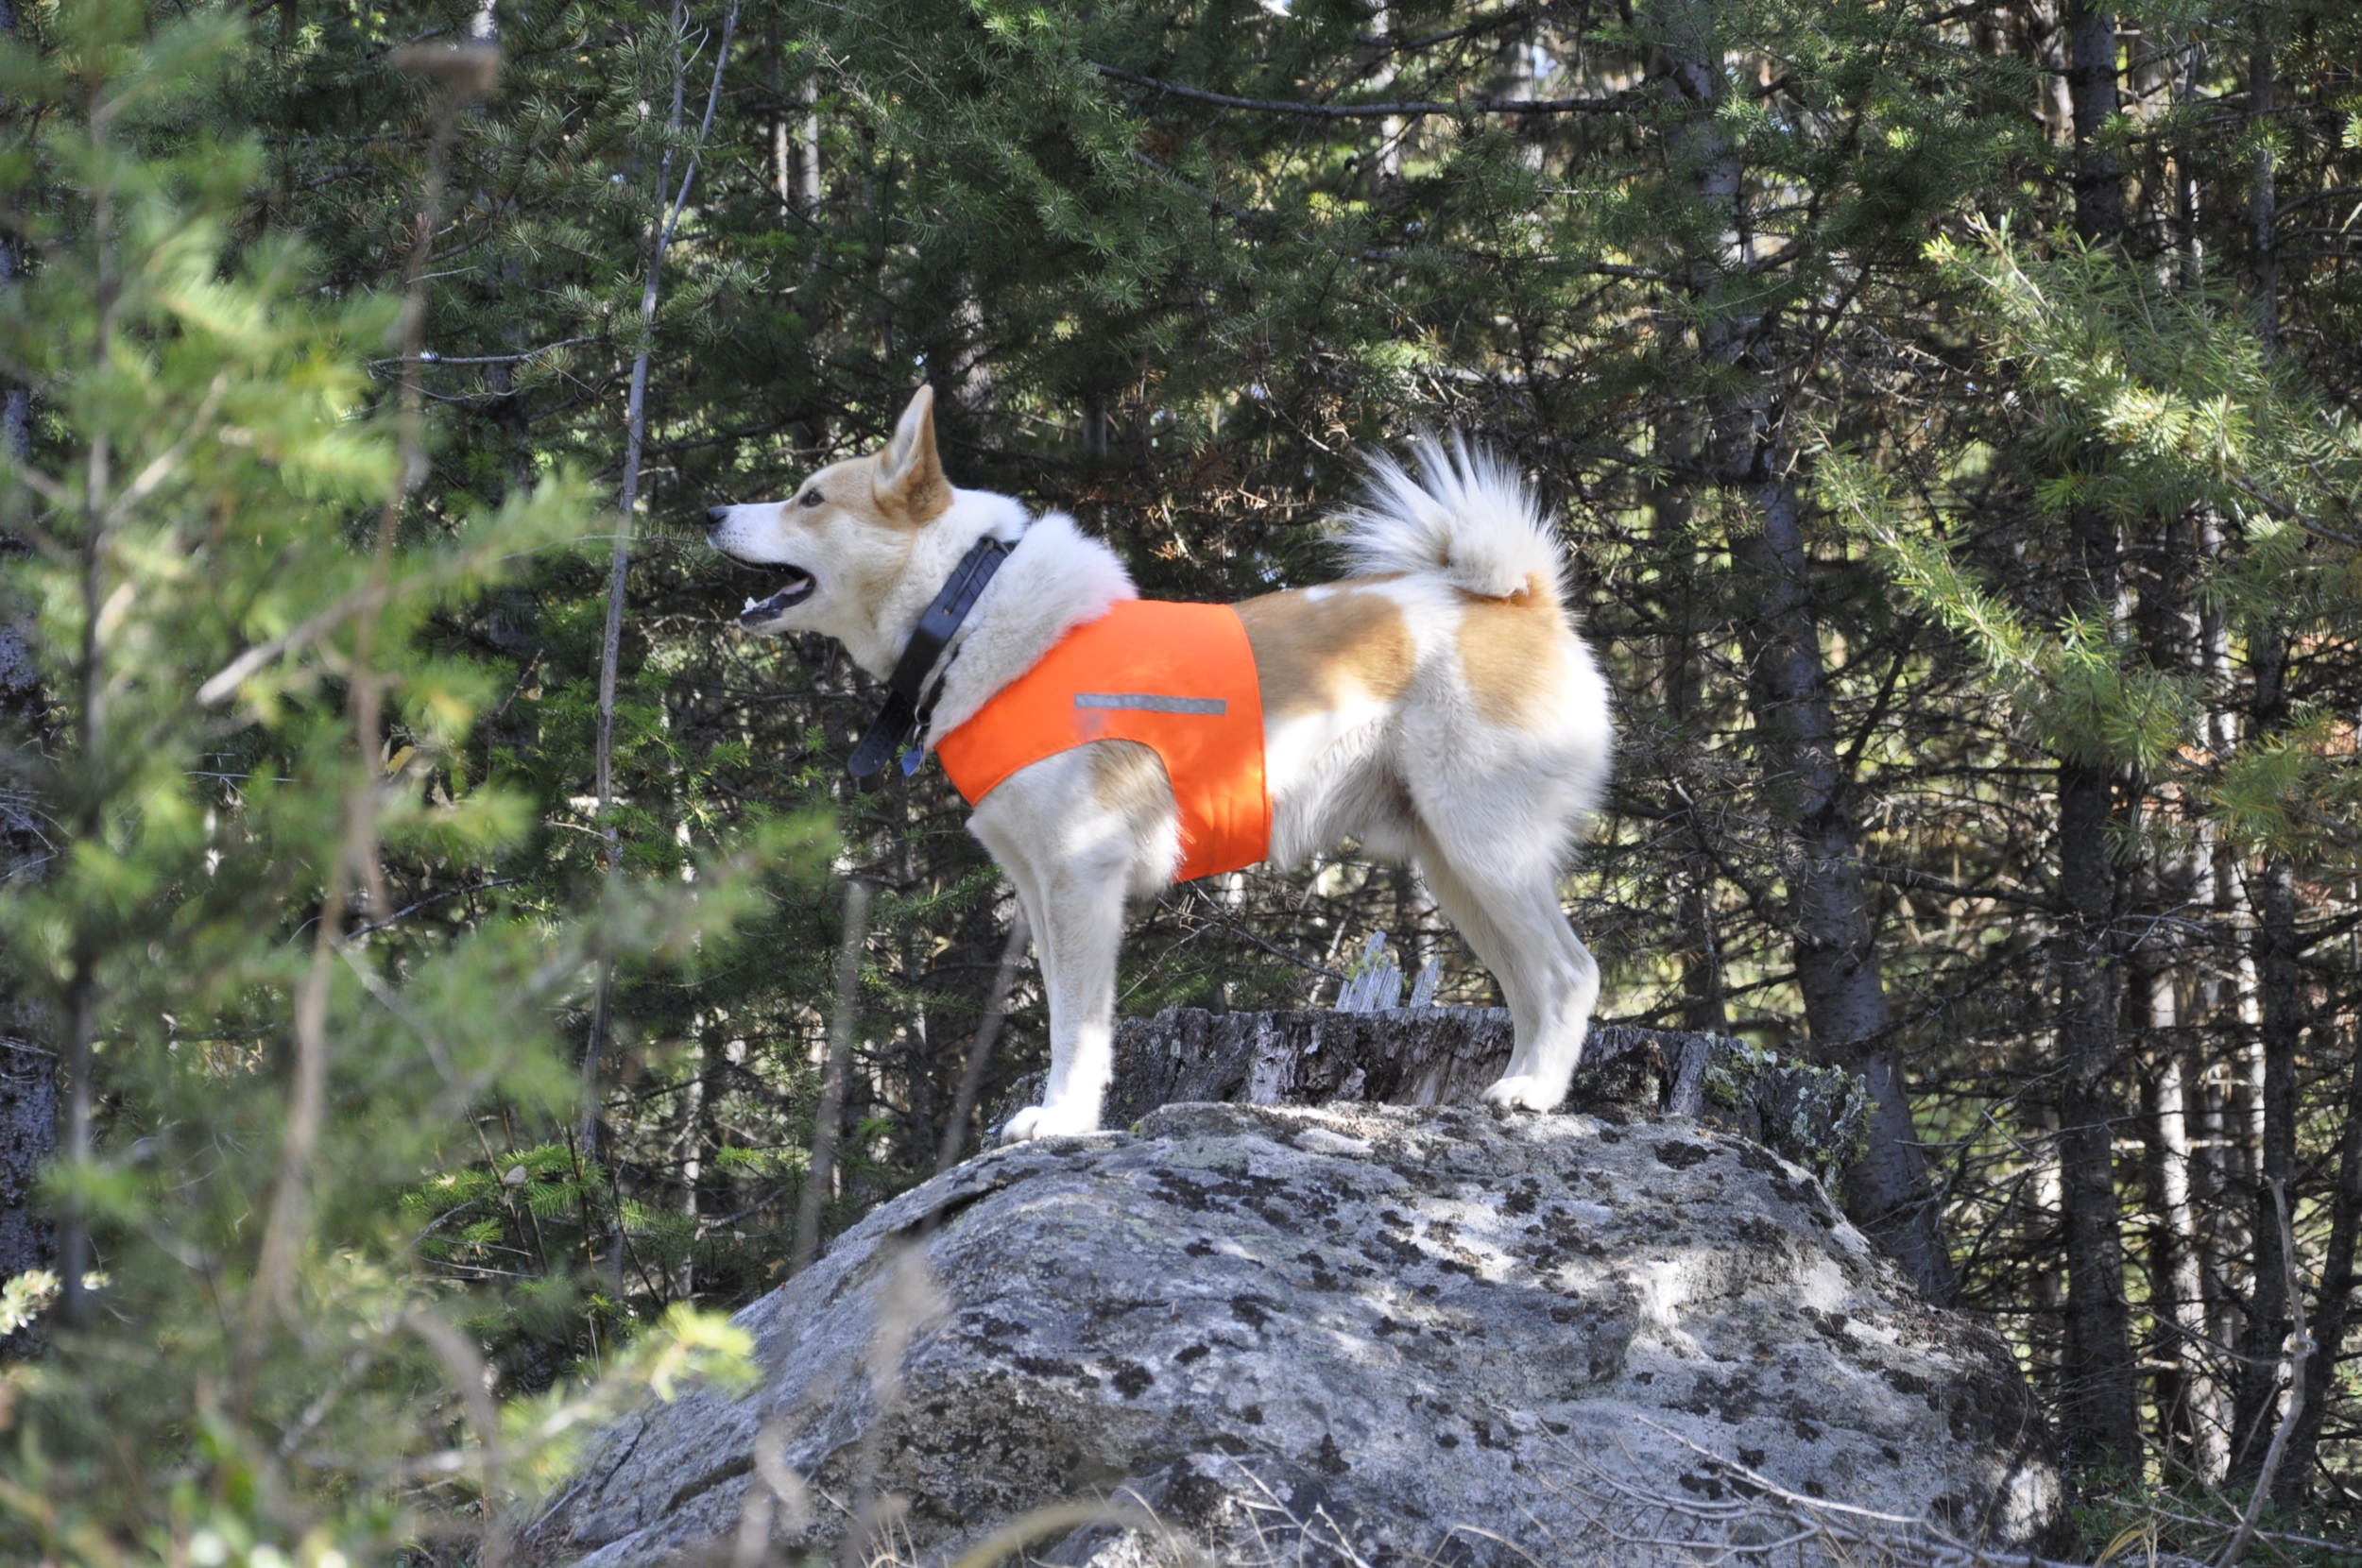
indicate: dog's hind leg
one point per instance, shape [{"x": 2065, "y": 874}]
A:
[
  {"x": 1467, "y": 914},
  {"x": 1511, "y": 917}
]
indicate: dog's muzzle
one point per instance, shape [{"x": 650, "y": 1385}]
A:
[{"x": 800, "y": 585}]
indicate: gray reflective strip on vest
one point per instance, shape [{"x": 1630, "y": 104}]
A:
[{"x": 1141, "y": 702}]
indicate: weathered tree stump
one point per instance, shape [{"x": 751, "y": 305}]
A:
[{"x": 1446, "y": 1055}]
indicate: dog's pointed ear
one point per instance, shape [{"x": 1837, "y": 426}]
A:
[{"x": 909, "y": 472}]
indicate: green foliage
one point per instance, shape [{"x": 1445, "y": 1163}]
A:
[
  {"x": 2122, "y": 1516},
  {"x": 211, "y": 445},
  {"x": 2168, "y": 405},
  {"x": 2082, "y": 697}
]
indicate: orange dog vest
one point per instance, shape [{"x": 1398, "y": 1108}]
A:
[{"x": 1177, "y": 677}]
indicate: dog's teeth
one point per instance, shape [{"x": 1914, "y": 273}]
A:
[{"x": 750, "y": 605}]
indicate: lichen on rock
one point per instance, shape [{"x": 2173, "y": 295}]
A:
[
  {"x": 1395, "y": 1331},
  {"x": 1818, "y": 1116}
]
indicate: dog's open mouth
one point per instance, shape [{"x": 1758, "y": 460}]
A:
[{"x": 799, "y": 589}]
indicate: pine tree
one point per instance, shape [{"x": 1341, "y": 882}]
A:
[{"x": 260, "y": 1056}]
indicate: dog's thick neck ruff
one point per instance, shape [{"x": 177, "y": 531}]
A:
[
  {"x": 905, "y": 707},
  {"x": 1056, "y": 578}
]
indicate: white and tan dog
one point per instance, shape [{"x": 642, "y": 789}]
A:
[{"x": 1437, "y": 707}]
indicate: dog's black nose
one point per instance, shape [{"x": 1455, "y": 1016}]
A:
[{"x": 714, "y": 515}]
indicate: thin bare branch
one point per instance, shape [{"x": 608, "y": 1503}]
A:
[{"x": 1613, "y": 103}]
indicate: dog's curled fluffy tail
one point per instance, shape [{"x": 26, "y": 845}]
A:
[{"x": 1467, "y": 518}]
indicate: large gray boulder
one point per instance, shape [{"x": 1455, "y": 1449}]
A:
[{"x": 1293, "y": 1332}]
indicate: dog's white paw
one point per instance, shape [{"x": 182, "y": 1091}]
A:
[
  {"x": 1049, "y": 1121},
  {"x": 1524, "y": 1092}
]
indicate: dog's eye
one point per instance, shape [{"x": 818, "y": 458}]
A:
[{"x": 811, "y": 498}]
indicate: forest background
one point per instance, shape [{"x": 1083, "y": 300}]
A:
[{"x": 422, "y": 908}]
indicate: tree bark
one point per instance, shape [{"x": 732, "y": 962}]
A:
[
  {"x": 2334, "y": 1309},
  {"x": 1831, "y": 922},
  {"x": 828, "y": 1118},
  {"x": 2188, "y": 1395},
  {"x": 2090, "y": 29},
  {"x": 1703, "y": 1010},
  {"x": 2191, "y": 1396},
  {"x": 2046, "y": 44},
  {"x": 29, "y": 1068},
  {"x": 1834, "y": 927},
  {"x": 2098, "y": 1383},
  {"x": 2097, "y": 1374},
  {"x": 2280, "y": 983},
  {"x": 2279, "y": 979},
  {"x": 2263, "y": 193}
]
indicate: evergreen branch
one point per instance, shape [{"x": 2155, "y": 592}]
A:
[
  {"x": 167, "y": 463},
  {"x": 333, "y": 176},
  {"x": 1410, "y": 45},
  {"x": 2287, "y": 513},
  {"x": 1614, "y": 103},
  {"x": 226, "y": 680},
  {"x": 400, "y": 915},
  {"x": 1904, "y": 876}
]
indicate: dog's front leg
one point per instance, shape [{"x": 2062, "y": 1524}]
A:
[
  {"x": 1078, "y": 931},
  {"x": 1073, "y": 862}
]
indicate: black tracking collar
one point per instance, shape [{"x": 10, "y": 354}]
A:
[{"x": 899, "y": 718}]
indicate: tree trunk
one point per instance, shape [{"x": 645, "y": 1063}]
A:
[
  {"x": 1678, "y": 677},
  {"x": 807, "y": 199},
  {"x": 2224, "y": 1003},
  {"x": 2090, "y": 29},
  {"x": 2187, "y": 1394},
  {"x": 2097, "y": 1374},
  {"x": 2279, "y": 980},
  {"x": 2281, "y": 1006},
  {"x": 2045, "y": 45},
  {"x": 1835, "y": 933},
  {"x": 2263, "y": 194},
  {"x": 1830, "y": 918},
  {"x": 29, "y": 1069},
  {"x": 2332, "y": 1310},
  {"x": 2169, "y": 971},
  {"x": 2097, "y": 1393}
]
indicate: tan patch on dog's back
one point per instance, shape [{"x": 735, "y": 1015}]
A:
[
  {"x": 1311, "y": 651},
  {"x": 1511, "y": 658}
]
